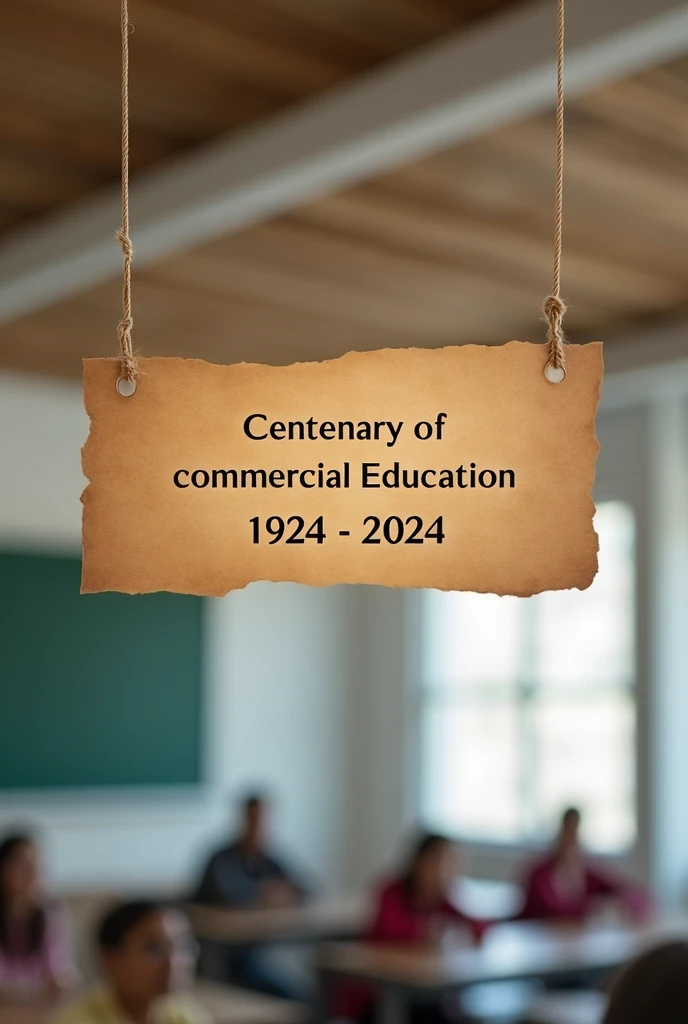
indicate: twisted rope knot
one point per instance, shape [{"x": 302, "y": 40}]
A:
[
  {"x": 130, "y": 368},
  {"x": 125, "y": 243},
  {"x": 554, "y": 309},
  {"x": 124, "y": 327}
]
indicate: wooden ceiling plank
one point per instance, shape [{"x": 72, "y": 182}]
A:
[
  {"x": 291, "y": 246},
  {"x": 641, "y": 107},
  {"x": 658, "y": 190},
  {"x": 508, "y": 184},
  {"x": 412, "y": 308},
  {"x": 60, "y": 141},
  {"x": 343, "y": 42},
  {"x": 163, "y": 101},
  {"x": 22, "y": 176},
  {"x": 456, "y": 239},
  {"x": 195, "y": 41},
  {"x": 187, "y": 324},
  {"x": 457, "y": 88},
  {"x": 366, "y": 23}
]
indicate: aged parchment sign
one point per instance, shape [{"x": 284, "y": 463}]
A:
[{"x": 459, "y": 468}]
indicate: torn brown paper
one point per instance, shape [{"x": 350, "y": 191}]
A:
[{"x": 180, "y": 498}]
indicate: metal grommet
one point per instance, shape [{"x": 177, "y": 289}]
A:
[
  {"x": 555, "y": 374},
  {"x": 126, "y": 387}
]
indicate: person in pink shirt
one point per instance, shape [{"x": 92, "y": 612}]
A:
[
  {"x": 566, "y": 885},
  {"x": 414, "y": 909},
  {"x": 35, "y": 948}
]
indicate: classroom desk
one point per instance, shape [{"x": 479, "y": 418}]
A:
[
  {"x": 509, "y": 952},
  {"x": 226, "y": 1005},
  {"x": 486, "y": 899},
  {"x": 314, "y": 921},
  {"x": 334, "y": 917}
]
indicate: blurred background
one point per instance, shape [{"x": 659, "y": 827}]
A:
[{"x": 310, "y": 177}]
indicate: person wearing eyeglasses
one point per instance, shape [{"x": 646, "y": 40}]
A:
[{"x": 147, "y": 956}]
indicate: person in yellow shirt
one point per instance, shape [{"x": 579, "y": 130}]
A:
[{"x": 147, "y": 956}]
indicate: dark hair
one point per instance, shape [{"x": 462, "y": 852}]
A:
[
  {"x": 425, "y": 843},
  {"x": 121, "y": 919},
  {"x": 653, "y": 988},
  {"x": 571, "y": 812},
  {"x": 254, "y": 799},
  {"x": 35, "y": 932}
]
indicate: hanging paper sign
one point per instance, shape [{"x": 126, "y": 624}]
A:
[{"x": 459, "y": 468}]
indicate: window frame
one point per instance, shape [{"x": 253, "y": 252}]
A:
[{"x": 624, "y": 438}]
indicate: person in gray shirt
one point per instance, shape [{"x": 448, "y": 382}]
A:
[{"x": 247, "y": 874}]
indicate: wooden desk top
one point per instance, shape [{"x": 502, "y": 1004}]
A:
[
  {"x": 226, "y": 1005},
  {"x": 509, "y": 952},
  {"x": 336, "y": 917}
]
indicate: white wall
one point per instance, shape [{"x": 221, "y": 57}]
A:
[
  {"x": 42, "y": 428},
  {"x": 378, "y": 754},
  {"x": 275, "y": 689},
  {"x": 668, "y": 706},
  {"x": 282, "y": 648}
]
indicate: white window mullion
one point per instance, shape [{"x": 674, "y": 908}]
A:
[{"x": 498, "y": 681}]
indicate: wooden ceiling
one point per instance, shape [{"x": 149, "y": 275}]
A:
[
  {"x": 456, "y": 248},
  {"x": 197, "y": 69}
]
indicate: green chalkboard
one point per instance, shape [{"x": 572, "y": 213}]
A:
[{"x": 95, "y": 689}]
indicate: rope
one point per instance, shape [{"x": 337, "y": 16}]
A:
[
  {"x": 554, "y": 307},
  {"x": 124, "y": 327}
]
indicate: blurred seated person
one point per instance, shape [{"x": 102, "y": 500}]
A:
[
  {"x": 566, "y": 885},
  {"x": 35, "y": 947},
  {"x": 147, "y": 955},
  {"x": 414, "y": 908},
  {"x": 653, "y": 990},
  {"x": 248, "y": 874}
]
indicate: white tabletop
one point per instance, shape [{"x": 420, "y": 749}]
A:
[{"x": 508, "y": 952}]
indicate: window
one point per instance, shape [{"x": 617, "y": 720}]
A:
[{"x": 527, "y": 704}]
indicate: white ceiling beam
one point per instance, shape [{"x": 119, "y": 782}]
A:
[{"x": 458, "y": 88}]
